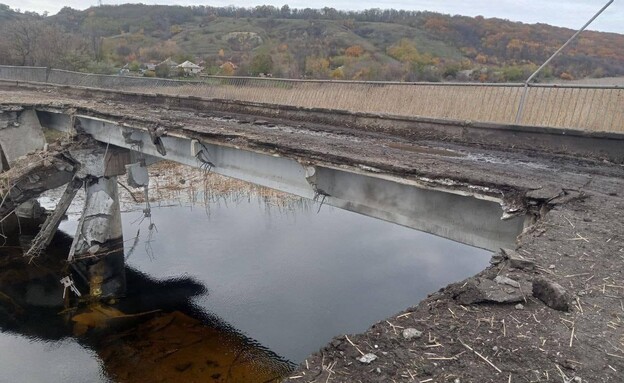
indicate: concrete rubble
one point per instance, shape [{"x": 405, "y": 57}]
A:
[
  {"x": 411, "y": 333},
  {"x": 482, "y": 290},
  {"x": 517, "y": 261},
  {"x": 35, "y": 167},
  {"x": 552, "y": 294}
]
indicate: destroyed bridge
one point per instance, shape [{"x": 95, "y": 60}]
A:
[
  {"x": 361, "y": 146},
  {"x": 475, "y": 163}
]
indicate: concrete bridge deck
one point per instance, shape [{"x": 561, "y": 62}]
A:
[
  {"x": 462, "y": 162},
  {"x": 580, "y": 231},
  {"x": 384, "y": 174}
]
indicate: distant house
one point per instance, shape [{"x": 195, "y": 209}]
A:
[
  {"x": 172, "y": 64},
  {"x": 190, "y": 68}
]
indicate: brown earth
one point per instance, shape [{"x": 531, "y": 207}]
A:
[{"x": 577, "y": 242}]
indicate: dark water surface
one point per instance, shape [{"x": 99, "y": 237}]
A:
[{"x": 239, "y": 283}]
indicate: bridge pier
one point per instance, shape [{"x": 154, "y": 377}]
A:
[
  {"x": 98, "y": 243},
  {"x": 20, "y": 134}
]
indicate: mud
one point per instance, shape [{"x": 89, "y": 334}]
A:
[{"x": 577, "y": 242}]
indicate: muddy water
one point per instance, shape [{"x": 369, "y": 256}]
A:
[{"x": 233, "y": 286}]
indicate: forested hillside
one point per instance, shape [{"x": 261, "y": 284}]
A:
[{"x": 304, "y": 43}]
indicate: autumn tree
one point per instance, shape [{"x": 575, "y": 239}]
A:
[
  {"x": 481, "y": 59},
  {"x": 57, "y": 49},
  {"x": 35, "y": 43},
  {"x": 419, "y": 66},
  {"x": 354, "y": 51},
  {"x": 317, "y": 67},
  {"x": 337, "y": 74},
  {"x": 404, "y": 51},
  {"x": 22, "y": 39},
  {"x": 227, "y": 69}
]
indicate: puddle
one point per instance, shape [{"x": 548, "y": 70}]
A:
[{"x": 227, "y": 283}]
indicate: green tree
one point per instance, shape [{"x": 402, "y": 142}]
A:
[
  {"x": 162, "y": 70},
  {"x": 261, "y": 63},
  {"x": 134, "y": 66}
]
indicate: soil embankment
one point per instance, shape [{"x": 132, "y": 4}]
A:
[{"x": 463, "y": 336}]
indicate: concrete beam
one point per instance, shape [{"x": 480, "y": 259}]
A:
[
  {"x": 450, "y": 214},
  {"x": 570, "y": 142}
]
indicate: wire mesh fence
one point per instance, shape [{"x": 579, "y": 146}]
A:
[
  {"x": 590, "y": 108},
  {"x": 21, "y": 73}
]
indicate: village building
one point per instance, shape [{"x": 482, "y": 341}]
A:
[{"x": 190, "y": 68}]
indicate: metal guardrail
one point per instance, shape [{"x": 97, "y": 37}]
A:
[{"x": 581, "y": 107}]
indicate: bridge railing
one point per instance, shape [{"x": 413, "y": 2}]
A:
[
  {"x": 590, "y": 108},
  {"x": 22, "y": 73}
]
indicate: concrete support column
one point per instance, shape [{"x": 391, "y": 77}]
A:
[
  {"x": 20, "y": 134},
  {"x": 98, "y": 244}
]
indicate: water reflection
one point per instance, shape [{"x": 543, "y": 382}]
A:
[
  {"x": 227, "y": 282},
  {"x": 155, "y": 334},
  {"x": 278, "y": 269}
]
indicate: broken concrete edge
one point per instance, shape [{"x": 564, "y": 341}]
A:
[
  {"x": 56, "y": 166},
  {"x": 20, "y": 135},
  {"x": 561, "y": 141},
  {"x": 21, "y": 184},
  {"x": 99, "y": 239},
  {"x": 51, "y": 224},
  {"x": 512, "y": 200}
]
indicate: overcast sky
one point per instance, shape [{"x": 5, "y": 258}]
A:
[{"x": 567, "y": 13}]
